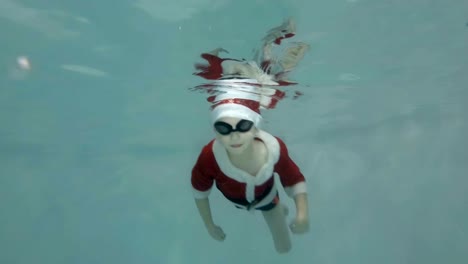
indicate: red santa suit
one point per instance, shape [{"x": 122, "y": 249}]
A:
[{"x": 244, "y": 190}]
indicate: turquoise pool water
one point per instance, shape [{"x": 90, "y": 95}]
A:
[{"x": 99, "y": 132}]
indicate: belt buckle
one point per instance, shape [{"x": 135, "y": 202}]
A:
[{"x": 250, "y": 205}]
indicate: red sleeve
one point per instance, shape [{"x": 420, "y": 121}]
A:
[
  {"x": 202, "y": 180},
  {"x": 289, "y": 173}
]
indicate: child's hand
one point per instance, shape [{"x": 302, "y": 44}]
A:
[
  {"x": 216, "y": 232},
  {"x": 300, "y": 225}
]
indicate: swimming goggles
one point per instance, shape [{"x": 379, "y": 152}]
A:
[{"x": 225, "y": 129}]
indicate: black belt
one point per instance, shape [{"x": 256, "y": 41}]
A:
[{"x": 248, "y": 205}]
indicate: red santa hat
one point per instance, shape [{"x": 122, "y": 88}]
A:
[{"x": 239, "y": 98}]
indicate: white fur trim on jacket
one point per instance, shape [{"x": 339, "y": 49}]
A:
[{"x": 264, "y": 174}]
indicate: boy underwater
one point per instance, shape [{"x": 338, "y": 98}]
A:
[{"x": 242, "y": 158}]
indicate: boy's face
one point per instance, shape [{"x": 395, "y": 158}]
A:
[{"x": 236, "y": 142}]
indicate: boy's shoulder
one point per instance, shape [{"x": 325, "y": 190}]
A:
[
  {"x": 206, "y": 153},
  {"x": 279, "y": 139},
  {"x": 274, "y": 137},
  {"x": 208, "y": 147}
]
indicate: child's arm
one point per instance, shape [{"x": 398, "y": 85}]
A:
[
  {"x": 301, "y": 222},
  {"x": 302, "y": 211},
  {"x": 294, "y": 185},
  {"x": 204, "y": 209},
  {"x": 202, "y": 181}
]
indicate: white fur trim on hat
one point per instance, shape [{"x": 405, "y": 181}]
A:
[
  {"x": 236, "y": 111},
  {"x": 249, "y": 93},
  {"x": 238, "y": 90}
]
